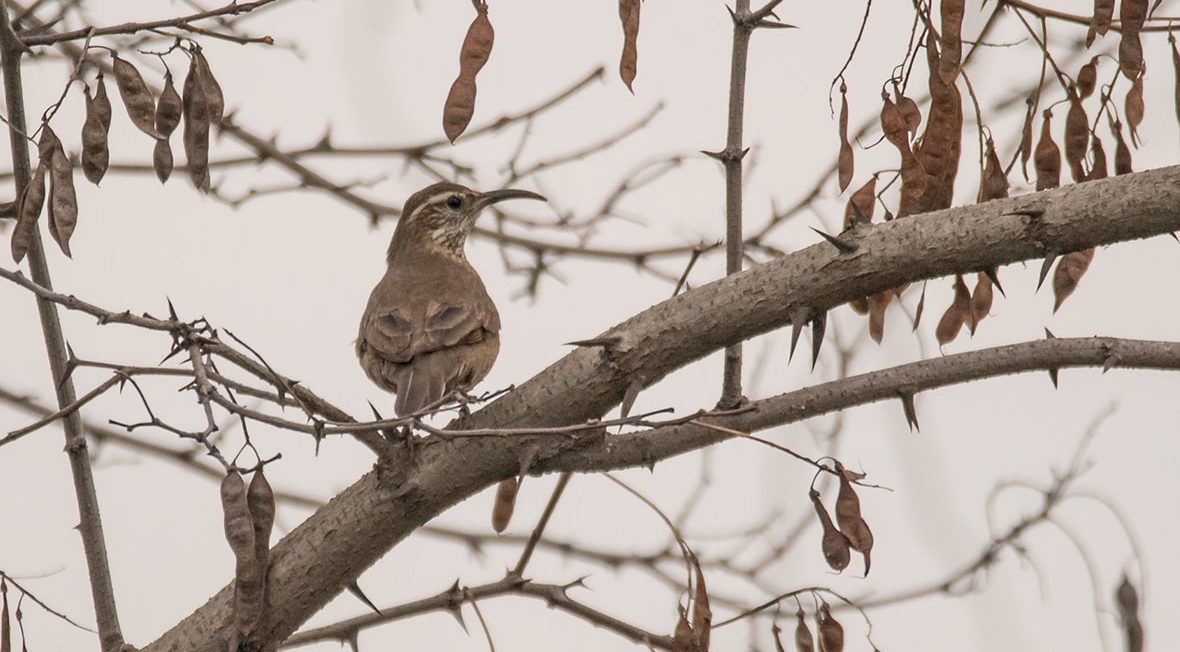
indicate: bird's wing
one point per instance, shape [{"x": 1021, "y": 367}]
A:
[{"x": 397, "y": 335}]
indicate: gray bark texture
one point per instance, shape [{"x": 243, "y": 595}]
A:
[{"x": 320, "y": 557}]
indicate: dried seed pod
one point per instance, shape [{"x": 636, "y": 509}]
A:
[
  {"x": 859, "y": 306},
  {"x": 1088, "y": 78},
  {"x": 1098, "y": 156},
  {"x": 1122, "y": 153},
  {"x": 921, "y": 307},
  {"x": 682, "y": 636},
  {"x": 239, "y": 533},
  {"x": 1132, "y": 13},
  {"x": 981, "y": 300},
  {"x": 994, "y": 183},
  {"x": 477, "y": 47},
  {"x": 859, "y": 210},
  {"x": 63, "y": 200},
  {"x": 913, "y": 176},
  {"x": 260, "y": 498},
  {"x": 136, "y": 97},
  {"x": 910, "y": 113},
  {"x": 844, "y": 162},
  {"x": 1133, "y": 108},
  {"x": 1127, "y": 602},
  {"x": 96, "y": 154},
  {"x": 803, "y": 640},
  {"x": 835, "y": 545},
  {"x": 214, "y": 97},
  {"x": 852, "y": 524},
  {"x": 1026, "y": 132},
  {"x": 952, "y": 44},
  {"x": 1100, "y": 22},
  {"x": 195, "y": 111},
  {"x": 877, "y": 305},
  {"x": 831, "y": 633},
  {"x": 162, "y": 161},
  {"x": 629, "y": 16},
  {"x": 702, "y": 615},
  {"x": 1077, "y": 138},
  {"x": 956, "y": 314},
  {"x": 1069, "y": 271},
  {"x": 1047, "y": 158},
  {"x": 941, "y": 147},
  {"x": 505, "y": 504},
  {"x": 28, "y": 210},
  {"x": 169, "y": 108}
]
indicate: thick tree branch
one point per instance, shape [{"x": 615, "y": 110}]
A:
[{"x": 315, "y": 561}]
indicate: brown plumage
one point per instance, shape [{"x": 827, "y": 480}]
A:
[{"x": 430, "y": 326}]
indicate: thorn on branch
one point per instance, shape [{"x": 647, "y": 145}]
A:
[
  {"x": 990, "y": 273},
  {"x": 844, "y": 246},
  {"x": 1050, "y": 258},
  {"x": 799, "y": 316},
  {"x": 907, "y": 404},
  {"x": 818, "y": 325}
]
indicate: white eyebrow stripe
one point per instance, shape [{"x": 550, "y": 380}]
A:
[{"x": 433, "y": 199}]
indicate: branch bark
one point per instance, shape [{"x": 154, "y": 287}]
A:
[{"x": 315, "y": 561}]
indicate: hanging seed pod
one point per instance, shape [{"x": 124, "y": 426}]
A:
[
  {"x": 702, "y": 615},
  {"x": 958, "y": 312},
  {"x": 1133, "y": 108},
  {"x": 994, "y": 183},
  {"x": 1026, "y": 139},
  {"x": 169, "y": 110},
  {"x": 682, "y": 636},
  {"x": 28, "y": 210},
  {"x": 893, "y": 125},
  {"x": 137, "y": 99},
  {"x": 477, "y": 47},
  {"x": 1047, "y": 158},
  {"x": 195, "y": 112},
  {"x": 1132, "y": 13},
  {"x": 852, "y": 524},
  {"x": 1122, "y": 153},
  {"x": 239, "y": 533},
  {"x": 63, "y": 200},
  {"x": 803, "y": 640},
  {"x": 941, "y": 145},
  {"x": 1088, "y": 78},
  {"x": 859, "y": 306},
  {"x": 775, "y": 631},
  {"x": 628, "y": 61},
  {"x": 1069, "y": 271},
  {"x": 877, "y": 305},
  {"x": 1100, "y": 22},
  {"x": 505, "y": 504},
  {"x": 831, "y": 633},
  {"x": 96, "y": 154},
  {"x": 1127, "y": 602},
  {"x": 260, "y": 498},
  {"x": 921, "y": 307},
  {"x": 910, "y": 113},
  {"x": 1098, "y": 154},
  {"x": 859, "y": 210},
  {"x": 1077, "y": 139},
  {"x": 981, "y": 300},
  {"x": 952, "y": 44},
  {"x": 835, "y": 545},
  {"x": 214, "y": 97},
  {"x": 844, "y": 162}
]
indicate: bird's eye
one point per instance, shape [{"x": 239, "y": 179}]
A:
[{"x": 454, "y": 201}]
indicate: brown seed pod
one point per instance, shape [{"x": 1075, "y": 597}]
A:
[
  {"x": 893, "y": 125},
  {"x": 195, "y": 111},
  {"x": 910, "y": 113},
  {"x": 1026, "y": 132},
  {"x": 844, "y": 162},
  {"x": 859, "y": 210},
  {"x": 1077, "y": 139},
  {"x": 877, "y": 305},
  {"x": 981, "y": 300},
  {"x": 28, "y": 210},
  {"x": 835, "y": 545},
  {"x": 1098, "y": 156},
  {"x": 137, "y": 99},
  {"x": 952, "y": 44},
  {"x": 1133, "y": 108},
  {"x": 682, "y": 636},
  {"x": 628, "y": 61},
  {"x": 1100, "y": 22},
  {"x": 162, "y": 161},
  {"x": 1047, "y": 158},
  {"x": 956, "y": 314},
  {"x": 941, "y": 147},
  {"x": 1122, "y": 153},
  {"x": 994, "y": 183},
  {"x": 1132, "y": 13},
  {"x": 852, "y": 524},
  {"x": 1127, "y": 601},
  {"x": 702, "y": 615},
  {"x": 214, "y": 97},
  {"x": 803, "y": 640},
  {"x": 859, "y": 306},
  {"x": 260, "y": 498},
  {"x": 1088, "y": 78},
  {"x": 477, "y": 47},
  {"x": 831, "y": 633},
  {"x": 505, "y": 504},
  {"x": 63, "y": 200},
  {"x": 169, "y": 108},
  {"x": 1069, "y": 271},
  {"x": 96, "y": 154},
  {"x": 239, "y": 533},
  {"x": 921, "y": 307}
]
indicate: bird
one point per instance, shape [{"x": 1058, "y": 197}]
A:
[{"x": 430, "y": 327}]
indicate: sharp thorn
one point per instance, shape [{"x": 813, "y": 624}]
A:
[
  {"x": 1053, "y": 376},
  {"x": 1032, "y": 213},
  {"x": 629, "y": 396},
  {"x": 818, "y": 325},
  {"x": 990, "y": 273},
  {"x": 798, "y": 320},
  {"x": 355, "y": 589},
  {"x": 1049, "y": 335},
  {"x": 607, "y": 343},
  {"x": 907, "y": 404},
  {"x": 1111, "y": 361},
  {"x": 1050, "y": 258},
  {"x": 844, "y": 246},
  {"x": 718, "y": 155}
]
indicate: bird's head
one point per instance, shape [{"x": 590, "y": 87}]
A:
[{"x": 441, "y": 215}]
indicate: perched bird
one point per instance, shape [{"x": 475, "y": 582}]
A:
[{"x": 430, "y": 327}]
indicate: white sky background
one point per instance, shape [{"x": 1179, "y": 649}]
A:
[{"x": 290, "y": 274}]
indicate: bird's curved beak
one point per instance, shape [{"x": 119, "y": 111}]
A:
[{"x": 493, "y": 196}]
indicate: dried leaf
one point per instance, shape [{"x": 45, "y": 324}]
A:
[
  {"x": 981, "y": 300},
  {"x": 1088, "y": 78},
  {"x": 958, "y": 312},
  {"x": 136, "y": 97},
  {"x": 848, "y": 515},
  {"x": 1132, "y": 13},
  {"x": 96, "y": 154},
  {"x": 1047, "y": 159},
  {"x": 477, "y": 47},
  {"x": 63, "y": 200},
  {"x": 1069, "y": 271},
  {"x": 1133, "y": 109},
  {"x": 952, "y": 45},
  {"x": 859, "y": 210},
  {"x": 505, "y": 504},
  {"x": 628, "y": 61},
  {"x": 835, "y": 545},
  {"x": 831, "y": 633},
  {"x": 803, "y": 640},
  {"x": 28, "y": 210},
  {"x": 195, "y": 111},
  {"x": 844, "y": 163},
  {"x": 1077, "y": 139}
]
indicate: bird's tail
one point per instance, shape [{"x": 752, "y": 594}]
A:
[{"x": 419, "y": 384}]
